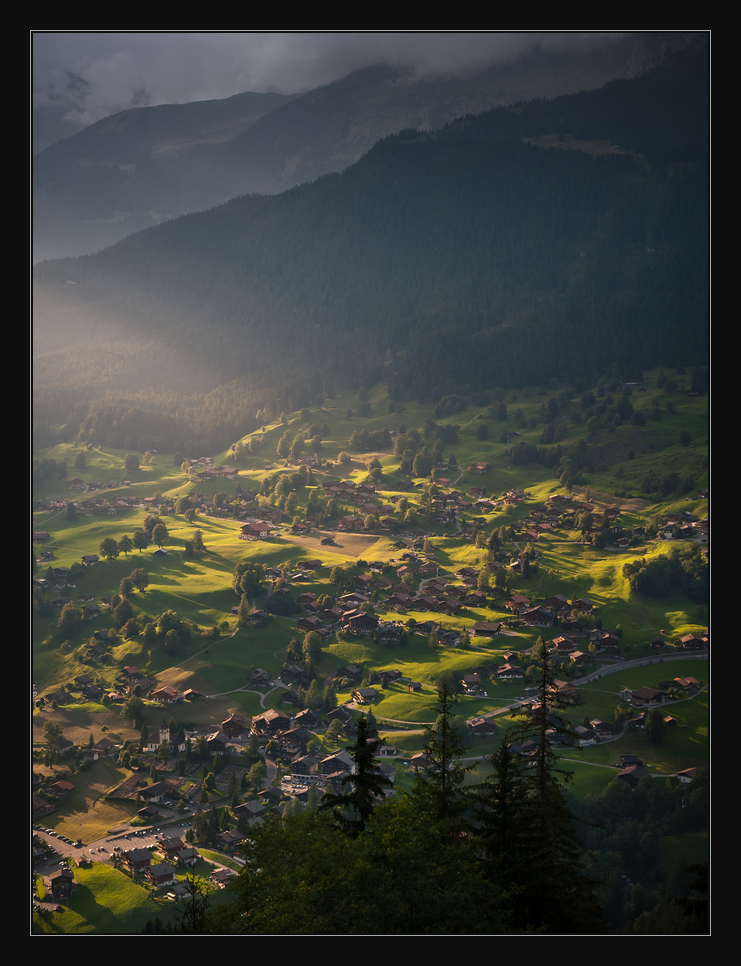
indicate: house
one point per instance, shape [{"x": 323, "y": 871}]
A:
[
  {"x": 339, "y": 762},
  {"x": 62, "y": 787},
  {"x": 632, "y": 774},
  {"x": 230, "y": 839},
  {"x": 481, "y": 726},
  {"x": 251, "y": 811},
  {"x": 161, "y": 875},
  {"x": 171, "y": 847},
  {"x": 486, "y": 629},
  {"x": 509, "y": 672},
  {"x": 167, "y": 694},
  {"x": 155, "y": 792},
  {"x": 686, "y": 684},
  {"x": 270, "y": 722},
  {"x": 137, "y": 860},
  {"x": 233, "y": 726},
  {"x": 105, "y": 747},
  {"x": 647, "y": 695},
  {"x": 62, "y": 883},
  {"x": 360, "y": 623},
  {"x": 221, "y": 877},
  {"x": 256, "y": 530},
  {"x": 365, "y": 695}
]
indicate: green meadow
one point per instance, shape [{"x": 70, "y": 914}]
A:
[{"x": 219, "y": 658}]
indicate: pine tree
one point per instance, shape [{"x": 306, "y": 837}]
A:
[
  {"x": 528, "y": 830},
  {"x": 440, "y": 785},
  {"x": 366, "y": 786}
]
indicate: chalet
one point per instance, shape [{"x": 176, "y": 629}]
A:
[
  {"x": 217, "y": 742},
  {"x": 471, "y": 682},
  {"x": 233, "y": 726},
  {"x": 155, "y": 792},
  {"x": 564, "y": 645},
  {"x": 251, "y": 812},
  {"x": 583, "y": 604},
  {"x": 686, "y": 684},
  {"x": 62, "y": 883},
  {"x": 365, "y": 695},
  {"x": 62, "y": 787},
  {"x": 229, "y": 839},
  {"x": 509, "y": 672},
  {"x": 608, "y": 641},
  {"x": 517, "y": 603},
  {"x": 304, "y": 765},
  {"x": 270, "y": 722},
  {"x": 255, "y": 530},
  {"x": 105, "y": 747},
  {"x": 449, "y": 607},
  {"x": 388, "y": 677},
  {"x": 161, "y": 875},
  {"x": 690, "y": 642},
  {"x": 167, "y": 694},
  {"x": 339, "y": 762},
  {"x": 537, "y": 617},
  {"x": 632, "y": 774},
  {"x": 647, "y": 696},
  {"x": 688, "y": 775},
  {"x": 90, "y": 560},
  {"x": 137, "y": 860},
  {"x": 602, "y": 729},
  {"x": 566, "y": 691},
  {"x": 260, "y": 677},
  {"x": 360, "y": 623},
  {"x": 221, "y": 877},
  {"x": 481, "y": 726},
  {"x": 486, "y": 629},
  {"x": 170, "y": 847}
]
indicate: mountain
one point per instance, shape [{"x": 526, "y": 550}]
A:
[
  {"x": 147, "y": 165},
  {"x": 482, "y": 254}
]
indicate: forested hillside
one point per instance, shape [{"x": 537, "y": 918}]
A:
[{"x": 440, "y": 263}]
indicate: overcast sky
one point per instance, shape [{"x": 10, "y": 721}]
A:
[{"x": 85, "y": 76}]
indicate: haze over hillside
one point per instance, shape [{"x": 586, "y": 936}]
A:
[
  {"x": 483, "y": 254},
  {"x": 146, "y": 165}
]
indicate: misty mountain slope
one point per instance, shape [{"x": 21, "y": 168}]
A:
[
  {"x": 136, "y": 169},
  {"x": 146, "y": 165},
  {"x": 439, "y": 262}
]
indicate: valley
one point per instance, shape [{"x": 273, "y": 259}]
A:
[
  {"x": 370, "y": 512},
  {"x": 391, "y": 606}
]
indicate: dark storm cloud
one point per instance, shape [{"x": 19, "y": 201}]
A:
[{"x": 86, "y": 76}]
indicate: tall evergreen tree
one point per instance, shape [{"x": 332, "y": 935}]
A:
[
  {"x": 439, "y": 787},
  {"x": 528, "y": 830},
  {"x": 366, "y": 785}
]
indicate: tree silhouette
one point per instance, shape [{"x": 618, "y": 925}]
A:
[{"x": 353, "y": 808}]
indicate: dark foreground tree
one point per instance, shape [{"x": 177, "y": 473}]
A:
[
  {"x": 304, "y": 876},
  {"x": 528, "y": 832},
  {"x": 362, "y": 790},
  {"x": 193, "y": 913},
  {"x": 440, "y": 788}
]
